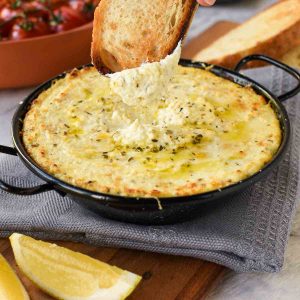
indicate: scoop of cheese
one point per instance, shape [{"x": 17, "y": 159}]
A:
[
  {"x": 146, "y": 90},
  {"x": 148, "y": 83}
]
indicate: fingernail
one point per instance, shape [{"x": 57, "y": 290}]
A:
[{"x": 210, "y": 2}]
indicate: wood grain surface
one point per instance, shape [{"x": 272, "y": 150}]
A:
[
  {"x": 205, "y": 38},
  {"x": 165, "y": 277}
]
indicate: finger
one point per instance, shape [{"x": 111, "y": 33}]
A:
[{"x": 207, "y": 2}]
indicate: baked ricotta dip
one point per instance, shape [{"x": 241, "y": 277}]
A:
[{"x": 189, "y": 132}]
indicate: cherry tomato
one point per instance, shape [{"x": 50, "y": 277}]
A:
[
  {"x": 7, "y": 13},
  {"x": 65, "y": 18},
  {"x": 5, "y": 28},
  {"x": 35, "y": 8},
  {"x": 22, "y": 8},
  {"x": 29, "y": 18},
  {"x": 3, "y": 3},
  {"x": 31, "y": 5},
  {"x": 28, "y": 28},
  {"x": 49, "y": 4},
  {"x": 85, "y": 7}
]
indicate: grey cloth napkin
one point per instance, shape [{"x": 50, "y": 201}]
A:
[{"x": 247, "y": 233}]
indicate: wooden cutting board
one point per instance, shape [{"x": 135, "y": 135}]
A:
[
  {"x": 205, "y": 38},
  {"x": 166, "y": 277}
]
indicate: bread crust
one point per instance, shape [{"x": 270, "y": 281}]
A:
[
  {"x": 109, "y": 54},
  {"x": 292, "y": 58},
  {"x": 275, "y": 47}
]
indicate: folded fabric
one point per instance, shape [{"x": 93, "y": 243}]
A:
[{"x": 248, "y": 232}]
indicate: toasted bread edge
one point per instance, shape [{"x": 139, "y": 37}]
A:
[
  {"x": 96, "y": 43},
  {"x": 275, "y": 47}
]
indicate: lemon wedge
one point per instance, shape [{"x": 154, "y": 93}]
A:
[
  {"x": 70, "y": 275},
  {"x": 11, "y": 287}
]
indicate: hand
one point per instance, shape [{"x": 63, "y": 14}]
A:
[{"x": 207, "y": 2}]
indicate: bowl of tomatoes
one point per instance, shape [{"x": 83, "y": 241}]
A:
[{"x": 42, "y": 38}]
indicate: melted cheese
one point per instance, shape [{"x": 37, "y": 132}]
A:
[
  {"x": 148, "y": 83},
  {"x": 205, "y": 134},
  {"x": 148, "y": 91}
]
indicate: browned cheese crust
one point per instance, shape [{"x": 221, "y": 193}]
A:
[{"x": 69, "y": 131}]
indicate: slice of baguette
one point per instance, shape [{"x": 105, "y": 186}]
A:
[
  {"x": 127, "y": 33},
  {"x": 272, "y": 32}
]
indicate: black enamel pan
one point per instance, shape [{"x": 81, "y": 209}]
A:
[{"x": 150, "y": 210}]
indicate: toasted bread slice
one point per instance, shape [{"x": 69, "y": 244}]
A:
[
  {"x": 272, "y": 32},
  {"x": 127, "y": 33},
  {"x": 292, "y": 57}
]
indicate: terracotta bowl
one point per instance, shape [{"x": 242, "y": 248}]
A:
[{"x": 32, "y": 61}]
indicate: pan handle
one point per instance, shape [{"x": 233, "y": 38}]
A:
[
  {"x": 278, "y": 64},
  {"x": 18, "y": 190}
]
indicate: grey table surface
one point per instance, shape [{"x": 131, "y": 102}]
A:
[{"x": 284, "y": 285}]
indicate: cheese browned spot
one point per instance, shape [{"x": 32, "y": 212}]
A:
[{"x": 207, "y": 133}]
